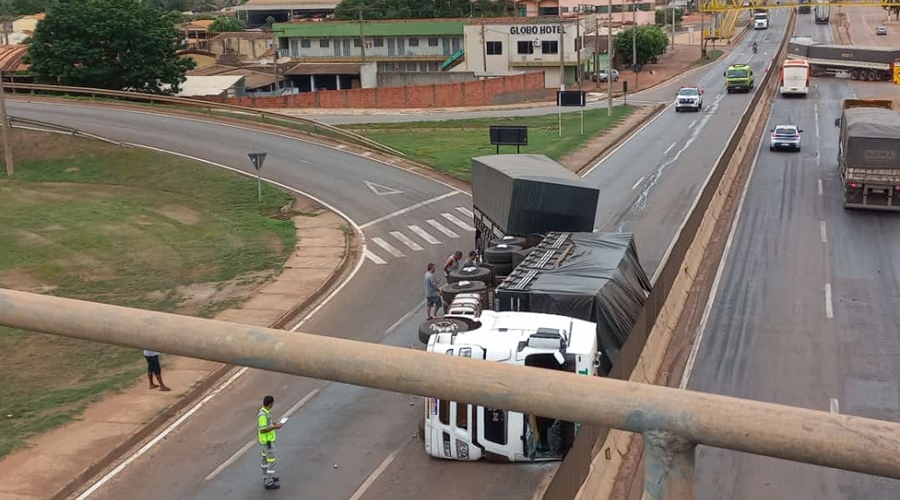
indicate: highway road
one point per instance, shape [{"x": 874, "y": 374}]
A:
[
  {"x": 806, "y": 308},
  {"x": 347, "y": 442}
]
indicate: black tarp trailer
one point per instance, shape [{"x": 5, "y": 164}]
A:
[
  {"x": 869, "y": 158},
  {"x": 858, "y": 62}
]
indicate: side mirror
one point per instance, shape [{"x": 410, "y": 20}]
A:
[
  {"x": 800, "y": 130},
  {"x": 773, "y": 130},
  {"x": 725, "y": 73},
  {"x": 837, "y": 122}
]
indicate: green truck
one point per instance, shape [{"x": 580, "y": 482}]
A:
[{"x": 739, "y": 77}]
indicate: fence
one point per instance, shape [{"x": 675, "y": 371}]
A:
[
  {"x": 576, "y": 466},
  {"x": 486, "y": 92}
]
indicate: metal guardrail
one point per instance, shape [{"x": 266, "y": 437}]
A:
[
  {"x": 673, "y": 421},
  {"x": 25, "y": 123},
  {"x": 575, "y": 467},
  {"x": 306, "y": 125},
  {"x": 727, "y": 5}
]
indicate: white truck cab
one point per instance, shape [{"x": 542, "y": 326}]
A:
[
  {"x": 459, "y": 431},
  {"x": 761, "y": 21}
]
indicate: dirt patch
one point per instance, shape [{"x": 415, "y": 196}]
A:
[
  {"x": 273, "y": 242},
  {"x": 86, "y": 267},
  {"x": 17, "y": 279},
  {"x": 181, "y": 214},
  {"x": 307, "y": 206},
  {"x": 207, "y": 299},
  {"x": 31, "y": 239}
]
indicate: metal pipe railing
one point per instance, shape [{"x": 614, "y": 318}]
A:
[{"x": 673, "y": 421}]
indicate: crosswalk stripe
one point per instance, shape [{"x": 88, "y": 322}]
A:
[
  {"x": 465, "y": 211},
  {"x": 422, "y": 234},
  {"x": 406, "y": 241},
  {"x": 454, "y": 220},
  {"x": 440, "y": 227},
  {"x": 388, "y": 247},
  {"x": 374, "y": 258}
]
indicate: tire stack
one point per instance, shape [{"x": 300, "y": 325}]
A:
[
  {"x": 440, "y": 325},
  {"x": 500, "y": 254},
  {"x": 449, "y": 291},
  {"x": 475, "y": 274}
]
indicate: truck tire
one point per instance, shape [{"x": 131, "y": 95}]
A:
[
  {"x": 481, "y": 274},
  {"x": 500, "y": 254},
  {"x": 854, "y": 74},
  {"x": 440, "y": 325},
  {"x": 503, "y": 269},
  {"x": 451, "y": 290},
  {"x": 873, "y": 75},
  {"x": 509, "y": 240}
]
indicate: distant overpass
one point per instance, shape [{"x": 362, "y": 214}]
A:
[{"x": 729, "y": 5}]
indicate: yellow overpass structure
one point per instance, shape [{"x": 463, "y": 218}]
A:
[{"x": 731, "y": 5}]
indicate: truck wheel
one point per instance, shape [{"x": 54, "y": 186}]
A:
[
  {"x": 509, "y": 240},
  {"x": 873, "y": 75},
  {"x": 503, "y": 269},
  {"x": 500, "y": 254},
  {"x": 481, "y": 274},
  {"x": 854, "y": 74},
  {"x": 440, "y": 325}
]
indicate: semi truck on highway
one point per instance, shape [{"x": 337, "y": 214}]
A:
[
  {"x": 856, "y": 62},
  {"x": 804, "y": 7},
  {"x": 822, "y": 12},
  {"x": 795, "y": 77},
  {"x": 868, "y": 150},
  {"x": 761, "y": 20}
]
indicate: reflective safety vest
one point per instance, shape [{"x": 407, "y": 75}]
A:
[{"x": 264, "y": 420}]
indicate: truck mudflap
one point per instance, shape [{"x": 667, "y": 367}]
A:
[{"x": 871, "y": 196}]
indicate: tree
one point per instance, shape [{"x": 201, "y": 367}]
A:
[
  {"x": 226, "y": 23},
  {"x": 651, "y": 43},
  {"x": 893, "y": 8},
  {"x": 111, "y": 44},
  {"x": 404, "y": 9},
  {"x": 664, "y": 16}
]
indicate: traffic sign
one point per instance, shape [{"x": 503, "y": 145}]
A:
[{"x": 257, "y": 159}]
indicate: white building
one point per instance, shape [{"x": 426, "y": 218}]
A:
[{"x": 511, "y": 46}]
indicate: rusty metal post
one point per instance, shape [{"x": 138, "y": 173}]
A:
[{"x": 668, "y": 467}]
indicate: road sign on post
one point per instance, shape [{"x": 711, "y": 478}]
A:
[
  {"x": 571, "y": 98},
  {"x": 509, "y": 135},
  {"x": 257, "y": 159}
]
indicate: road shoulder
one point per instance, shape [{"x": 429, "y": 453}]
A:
[{"x": 72, "y": 454}]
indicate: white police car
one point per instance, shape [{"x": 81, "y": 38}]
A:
[{"x": 689, "y": 97}]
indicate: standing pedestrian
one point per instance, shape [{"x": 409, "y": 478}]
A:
[
  {"x": 154, "y": 368},
  {"x": 266, "y": 427},
  {"x": 471, "y": 261},
  {"x": 452, "y": 262},
  {"x": 432, "y": 297}
]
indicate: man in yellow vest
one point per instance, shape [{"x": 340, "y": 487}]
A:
[{"x": 266, "y": 432}]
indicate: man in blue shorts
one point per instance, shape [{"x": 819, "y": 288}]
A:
[{"x": 432, "y": 297}]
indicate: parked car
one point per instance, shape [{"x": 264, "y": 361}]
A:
[
  {"x": 603, "y": 75},
  {"x": 881, "y": 30},
  {"x": 785, "y": 137}
]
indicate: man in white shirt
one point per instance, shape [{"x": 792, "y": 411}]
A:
[{"x": 154, "y": 368}]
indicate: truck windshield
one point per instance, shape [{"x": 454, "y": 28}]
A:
[
  {"x": 736, "y": 73},
  {"x": 761, "y": 15}
]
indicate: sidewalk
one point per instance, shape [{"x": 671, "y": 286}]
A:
[{"x": 77, "y": 451}]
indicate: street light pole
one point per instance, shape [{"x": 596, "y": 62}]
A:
[
  {"x": 562, "y": 40},
  {"x": 609, "y": 59},
  {"x": 4, "y": 130},
  {"x": 633, "y": 33}
]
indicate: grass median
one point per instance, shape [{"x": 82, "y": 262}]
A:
[
  {"x": 126, "y": 226},
  {"x": 448, "y": 145}
]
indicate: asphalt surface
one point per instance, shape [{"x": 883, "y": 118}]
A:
[
  {"x": 774, "y": 334},
  {"x": 347, "y": 442}
]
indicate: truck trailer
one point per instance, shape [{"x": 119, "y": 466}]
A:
[
  {"x": 822, "y": 12},
  {"x": 868, "y": 149},
  {"x": 857, "y": 62}
]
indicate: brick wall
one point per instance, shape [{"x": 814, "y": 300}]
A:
[{"x": 501, "y": 90}]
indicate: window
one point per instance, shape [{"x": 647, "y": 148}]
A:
[
  {"x": 525, "y": 47},
  {"x": 550, "y": 47},
  {"x": 378, "y": 41},
  {"x": 356, "y": 42},
  {"x": 305, "y": 43},
  {"x": 432, "y": 41},
  {"x": 494, "y": 48},
  {"x": 462, "y": 415},
  {"x": 323, "y": 43},
  {"x": 413, "y": 41},
  {"x": 444, "y": 411}
]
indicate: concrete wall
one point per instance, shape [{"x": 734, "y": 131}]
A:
[
  {"x": 505, "y": 90},
  {"x": 368, "y": 75},
  {"x": 410, "y": 79}
]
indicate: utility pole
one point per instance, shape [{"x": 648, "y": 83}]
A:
[
  {"x": 597, "y": 48},
  {"x": 4, "y": 130},
  {"x": 562, "y": 62},
  {"x": 362, "y": 38},
  {"x": 673, "y": 26},
  {"x": 634, "y": 35},
  {"x": 609, "y": 60},
  {"x": 483, "y": 46},
  {"x": 702, "y": 49},
  {"x": 578, "y": 47}
]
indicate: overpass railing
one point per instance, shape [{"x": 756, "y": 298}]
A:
[
  {"x": 672, "y": 421},
  {"x": 305, "y": 125}
]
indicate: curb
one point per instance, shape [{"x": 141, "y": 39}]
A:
[
  {"x": 624, "y": 136},
  {"x": 115, "y": 454}
]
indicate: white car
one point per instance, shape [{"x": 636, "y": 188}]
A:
[
  {"x": 785, "y": 137},
  {"x": 690, "y": 97}
]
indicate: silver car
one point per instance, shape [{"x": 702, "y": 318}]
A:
[
  {"x": 881, "y": 30},
  {"x": 785, "y": 137},
  {"x": 603, "y": 75}
]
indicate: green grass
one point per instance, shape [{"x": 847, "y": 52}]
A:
[
  {"x": 127, "y": 226},
  {"x": 711, "y": 56},
  {"x": 449, "y": 145}
]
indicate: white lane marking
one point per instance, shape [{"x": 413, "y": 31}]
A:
[
  {"x": 816, "y": 114},
  {"x": 465, "y": 211},
  {"x": 638, "y": 183},
  {"x": 233, "y": 458},
  {"x": 822, "y": 231},
  {"x": 377, "y": 472},
  {"x": 403, "y": 318},
  {"x": 626, "y": 141},
  {"x": 388, "y": 247},
  {"x": 409, "y": 209},
  {"x": 442, "y": 228},
  {"x": 457, "y": 222},
  {"x": 406, "y": 241},
  {"x": 818, "y": 158},
  {"x": 669, "y": 148},
  {"x": 374, "y": 258},
  {"x": 159, "y": 437},
  {"x": 701, "y": 328},
  {"x": 821, "y": 188},
  {"x": 834, "y": 406},
  {"x": 829, "y": 306},
  {"x": 421, "y": 233},
  {"x": 692, "y": 124}
]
